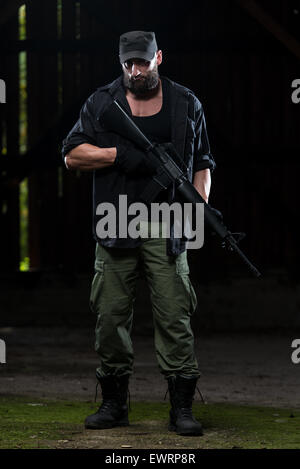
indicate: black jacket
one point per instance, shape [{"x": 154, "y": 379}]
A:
[{"x": 189, "y": 136}]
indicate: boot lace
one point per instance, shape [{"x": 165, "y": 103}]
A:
[
  {"x": 96, "y": 391},
  {"x": 107, "y": 405},
  {"x": 186, "y": 412},
  {"x": 200, "y": 394}
]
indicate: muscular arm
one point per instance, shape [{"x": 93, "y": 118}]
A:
[
  {"x": 202, "y": 182},
  {"x": 86, "y": 157}
]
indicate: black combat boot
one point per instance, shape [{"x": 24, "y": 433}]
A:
[
  {"x": 182, "y": 421},
  {"x": 113, "y": 411}
]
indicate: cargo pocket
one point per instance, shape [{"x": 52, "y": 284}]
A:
[
  {"x": 97, "y": 285},
  {"x": 182, "y": 271}
]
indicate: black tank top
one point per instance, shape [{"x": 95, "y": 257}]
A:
[{"x": 157, "y": 127}]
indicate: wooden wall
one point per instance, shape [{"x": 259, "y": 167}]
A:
[{"x": 238, "y": 69}]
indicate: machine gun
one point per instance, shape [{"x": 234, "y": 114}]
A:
[{"x": 115, "y": 119}]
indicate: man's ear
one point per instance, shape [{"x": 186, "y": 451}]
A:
[{"x": 159, "y": 57}]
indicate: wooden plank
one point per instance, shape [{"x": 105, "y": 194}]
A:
[
  {"x": 9, "y": 10},
  {"x": 76, "y": 204},
  {"x": 42, "y": 106},
  {"x": 10, "y": 243},
  {"x": 271, "y": 25},
  {"x": 70, "y": 88}
]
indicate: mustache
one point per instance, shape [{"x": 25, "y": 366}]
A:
[
  {"x": 138, "y": 77},
  {"x": 141, "y": 84}
]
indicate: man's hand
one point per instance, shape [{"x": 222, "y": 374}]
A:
[
  {"x": 217, "y": 213},
  {"x": 131, "y": 160}
]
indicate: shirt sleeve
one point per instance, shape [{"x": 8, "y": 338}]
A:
[
  {"x": 203, "y": 158},
  {"x": 83, "y": 131}
]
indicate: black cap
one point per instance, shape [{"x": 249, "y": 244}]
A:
[{"x": 137, "y": 44}]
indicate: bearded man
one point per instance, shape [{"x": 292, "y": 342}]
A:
[{"x": 166, "y": 112}]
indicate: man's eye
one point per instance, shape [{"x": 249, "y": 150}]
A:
[{"x": 143, "y": 63}]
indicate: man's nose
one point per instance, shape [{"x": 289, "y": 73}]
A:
[{"x": 135, "y": 70}]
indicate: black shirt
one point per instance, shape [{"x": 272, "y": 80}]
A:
[{"x": 188, "y": 135}]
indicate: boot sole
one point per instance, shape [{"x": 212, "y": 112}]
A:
[
  {"x": 106, "y": 426},
  {"x": 172, "y": 428}
]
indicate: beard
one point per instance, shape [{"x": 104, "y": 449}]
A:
[{"x": 144, "y": 86}]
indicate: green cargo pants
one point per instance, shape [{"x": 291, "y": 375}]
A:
[{"x": 173, "y": 302}]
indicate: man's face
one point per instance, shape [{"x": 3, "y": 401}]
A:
[{"x": 141, "y": 76}]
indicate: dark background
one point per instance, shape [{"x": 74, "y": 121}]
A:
[{"x": 240, "y": 58}]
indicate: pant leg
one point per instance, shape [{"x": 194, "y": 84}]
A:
[
  {"x": 112, "y": 298},
  {"x": 173, "y": 302}
]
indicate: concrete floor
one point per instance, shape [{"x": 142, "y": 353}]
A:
[{"x": 254, "y": 369}]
